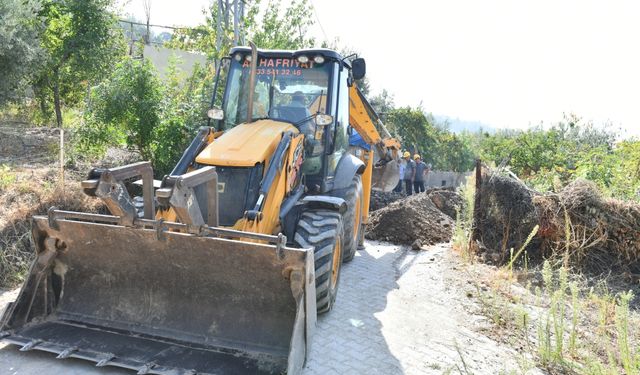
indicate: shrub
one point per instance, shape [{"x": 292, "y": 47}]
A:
[{"x": 137, "y": 109}]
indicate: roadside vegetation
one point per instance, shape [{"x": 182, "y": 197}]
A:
[
  {"x": 560, "y": 321},
  {"x": 563, "y": 289}
]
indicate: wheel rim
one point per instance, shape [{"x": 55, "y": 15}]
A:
[{"x": 337, "y": 259}]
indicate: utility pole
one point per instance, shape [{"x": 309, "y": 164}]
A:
[
  {"x": 147, "y": 13},
  {"x": 219, "y": 15},
  {"x": 236, "y": 16},
  {"x": 223, "y": 21},
  {"x": 241, "y": 22}
]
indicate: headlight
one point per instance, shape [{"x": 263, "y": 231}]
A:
[
  {"x": 303, "y": 59},
  {"x": 319, "y": 59}
]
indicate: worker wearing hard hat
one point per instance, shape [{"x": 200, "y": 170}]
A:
[
  {"x": 420, "y": 174},
  {"x": 401, "y": 165},
  {"x": 409, "y": 172}
]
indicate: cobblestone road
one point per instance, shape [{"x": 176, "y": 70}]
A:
[{"x": 397, "y": 313}]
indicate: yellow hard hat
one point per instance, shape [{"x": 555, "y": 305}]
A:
[
  {"x": 406, "y": 154},
  {"x": 416, "y": 157}
]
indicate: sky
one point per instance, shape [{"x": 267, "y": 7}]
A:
[{"x": 503, "y": 63}]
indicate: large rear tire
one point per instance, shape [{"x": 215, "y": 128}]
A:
[
  {"x": 352, "y": 217},
  {"x": 323, "y": 231}
]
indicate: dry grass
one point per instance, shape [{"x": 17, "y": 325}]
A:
[
  {"x": 590, "y": 231},
  {"x": 32, "y": 192}
]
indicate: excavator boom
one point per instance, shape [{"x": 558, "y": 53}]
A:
[{"x": 385, "y": 149}]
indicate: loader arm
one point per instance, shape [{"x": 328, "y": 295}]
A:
[{"x": 381, "y": 161}]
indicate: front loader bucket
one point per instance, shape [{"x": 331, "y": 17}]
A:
[{"x": 157, "y": 301}]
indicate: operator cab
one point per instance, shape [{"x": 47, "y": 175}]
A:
[{"x": 306, "y": 88}]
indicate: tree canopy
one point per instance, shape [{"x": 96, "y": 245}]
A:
[
  {"x": 20, "y": 52},
  {"x": 81, "y": 40}
]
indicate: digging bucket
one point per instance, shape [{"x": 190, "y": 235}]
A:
[
  {"x": 158, "y": 301},
  {"x": 385, "y": 177}
]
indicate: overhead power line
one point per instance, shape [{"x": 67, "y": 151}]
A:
[
  {"x": 161, "y": 26},
  {"x": 315, "y": 12}
]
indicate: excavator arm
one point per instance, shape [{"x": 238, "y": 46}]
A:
[
  {"x": 381, "y": 161},
  {"x": 382, "y": 172},
  {"x": 367, "y": 123}
]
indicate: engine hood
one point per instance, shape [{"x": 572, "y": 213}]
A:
[{"x": 245, "y": 145}]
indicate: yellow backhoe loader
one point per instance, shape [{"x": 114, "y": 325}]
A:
[{"x": 221, "y": 267}]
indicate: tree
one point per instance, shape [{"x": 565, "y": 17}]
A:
[
  {"x": 420, "y": 133},
  {"x": 286, "y": 29},
  {"x": 382, "y": 103},
  {"x": 82, "y": 40},
  {"x": 136, "y": 109},
  {"x": 127, "y": 106},
  {"x": 20, "y": 52},
  {"x": 413, "y": 129},
  {"x": 269, "y": 27},
  {"x": 452, "y": 152}
]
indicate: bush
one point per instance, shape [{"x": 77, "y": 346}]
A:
[
  {"x": 137, "y": 109},
  {"x": 548, "y": 159}
]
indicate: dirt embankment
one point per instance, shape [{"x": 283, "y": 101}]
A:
[
  {"x": 448, "y": 200},
  {"x": 595, "y": 233},
  {"x": 380, "y": 200}
]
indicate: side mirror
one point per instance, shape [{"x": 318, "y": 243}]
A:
[
  {"x": 323, "y": 120},
  {"x": 215, "y": 114},
  {"x": 358, "y": 68}
]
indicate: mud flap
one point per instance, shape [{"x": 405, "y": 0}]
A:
[{"x": 164, "y": 302}]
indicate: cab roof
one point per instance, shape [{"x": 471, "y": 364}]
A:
[{"x": 325, "y": 52}]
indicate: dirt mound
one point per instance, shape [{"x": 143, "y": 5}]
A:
[
  {"x": 379, "y": 199},
  {"x": 447, "y": 200},
  {"x": 407, "y": 220}
]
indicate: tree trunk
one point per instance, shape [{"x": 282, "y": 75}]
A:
[
  {"x": 56, "y": 97},
  {"x": 39, "y": 97}
]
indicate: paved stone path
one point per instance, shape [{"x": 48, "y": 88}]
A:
[
  {"x": 397, "y": 312},
  {"x": 400, "y": 312}
]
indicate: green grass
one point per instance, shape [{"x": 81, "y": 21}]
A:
[
  {"x": 7, "y": 176},
  {"x": 564, "y": 328},
  {"x": 464, "y": 220}
]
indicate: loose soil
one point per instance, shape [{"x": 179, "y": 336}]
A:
[
  {"x": 448, "y": 201},
  {"x": 380, "y": 200},
  {"x": 406, "y": 221}
]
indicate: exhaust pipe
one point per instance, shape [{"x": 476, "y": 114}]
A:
[{"x": 252, "y": 80}]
